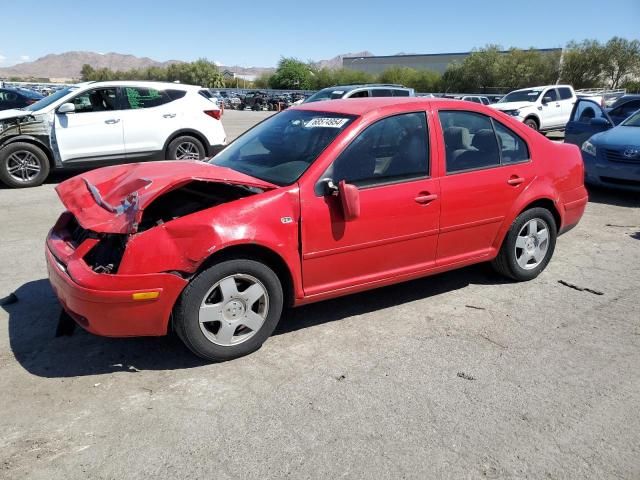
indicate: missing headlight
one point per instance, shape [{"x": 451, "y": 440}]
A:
[{"x": 106, "y": 255}]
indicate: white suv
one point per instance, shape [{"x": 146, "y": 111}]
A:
[
  {"x": 541, "y": 108},
  {"x": 101, "y": 123}
]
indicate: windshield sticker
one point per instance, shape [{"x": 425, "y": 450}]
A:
[
  {"x": 326, "y": 122},
  {"x": 337, "y": 92}
]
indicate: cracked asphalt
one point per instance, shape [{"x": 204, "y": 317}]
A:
[{"x": 460, "y": 375}]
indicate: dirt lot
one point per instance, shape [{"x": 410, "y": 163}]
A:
[{"x": 460, "y": 375}]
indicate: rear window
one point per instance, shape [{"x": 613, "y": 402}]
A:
[
  {"x": 380, "y": 92},
  {"x": 142, "y": 97},
  {"x": 176, "y": 94},
  {"x": 565, "y": 93},
  {"x": 401, "y": 93}
]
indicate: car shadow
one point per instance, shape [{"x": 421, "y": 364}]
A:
[
  {"x": 618, "y": 198},
  {"x": 34, "y": 316}
]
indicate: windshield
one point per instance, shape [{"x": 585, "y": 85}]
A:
[
  {"x": 633, "y": 120},
  {"x": 325, "y": 94},
  {"x": 46, "y": 101},
  {"x": 521, "y": 96},
  {"x": 280, "y": 149}
]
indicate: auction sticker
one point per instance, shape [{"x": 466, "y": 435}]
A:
[{"x": 326, "y": 122}]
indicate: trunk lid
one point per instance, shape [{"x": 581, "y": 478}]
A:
[{"x": 112, "y": 199}]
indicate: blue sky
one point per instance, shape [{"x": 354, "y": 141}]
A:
[{"x": 258, "y": 34}]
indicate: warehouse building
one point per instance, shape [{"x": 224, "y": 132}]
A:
[{"x": 437, "y": 62}]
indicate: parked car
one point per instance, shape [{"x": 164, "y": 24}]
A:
[
  {"x": 255, "y": 100},
  {"x": 476, "y": 99},
  {"x": 93, "y": 124},
  {"x": 541, "y": 108},
  {"x": 623, "y": 107},
  {"x": 17, "y": 98},
  {"x": 611, "y": 153},
  {"x": 361, "y": 91},
  {"x": 321, "y": 200}
]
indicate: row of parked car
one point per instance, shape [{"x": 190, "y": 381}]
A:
[{"x": 93, "y": 124}]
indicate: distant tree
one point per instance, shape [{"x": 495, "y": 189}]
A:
[
  {"x": 87, "y": 72},
  {"x": 621, "y": 60},
  {"x": 583, "y": 63},
  {"x": 525, "y": 68},
  {"x": 292, "y": 74},
  {"x": 262, "y": 81}
]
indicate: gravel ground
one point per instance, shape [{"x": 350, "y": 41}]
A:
[{"x": 460, "y": 375}]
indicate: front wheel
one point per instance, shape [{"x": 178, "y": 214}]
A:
[
  {"x": 229, "y": 310},
  {"x": 528, "y": 246},
  {"x": 531, "y": 123},
  {"x": 23, "y": 165}
]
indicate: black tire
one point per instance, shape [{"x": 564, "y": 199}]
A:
[
  {"x": 187, "y": 309},
  {"x": 506, "y": 262},
  {"x": 180, "y": 142},
  {"x": 532, "y": 123},
  {"x": 36, "y": 158}
]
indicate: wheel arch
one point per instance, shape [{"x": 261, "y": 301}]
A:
[
  {"x": 259, "y": 253},
  {"x": 188, "y": 132},
  {"x": 36, "y": 143},
  {"x": 534, "y": 117}
]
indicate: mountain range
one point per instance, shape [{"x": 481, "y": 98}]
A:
[{"x": 68, "y": 65}]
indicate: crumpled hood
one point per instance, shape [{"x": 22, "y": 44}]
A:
[
  {"x": 14, "y": 113},
  {"x": 511, "y": 105},
  {"x": 112, "y": 199}
]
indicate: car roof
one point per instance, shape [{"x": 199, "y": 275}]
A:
[
  {"x": 361, "y": 106},
  {"x": 140, "y": 83},
  {"x": 348, "y": 88}
]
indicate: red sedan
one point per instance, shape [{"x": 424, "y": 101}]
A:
[{"x": 318, "y": 201}]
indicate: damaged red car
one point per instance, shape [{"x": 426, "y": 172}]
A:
[{"x": 318, "y": 201}]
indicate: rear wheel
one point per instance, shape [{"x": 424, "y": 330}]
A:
[
  {"x": 528, "y": 246},
  {"x": 186, "y": 148},
  {"x": 23, "y": 165},
  {"x": 229, "y": 310}
]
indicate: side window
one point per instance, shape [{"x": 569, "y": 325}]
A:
[
  {"x": 552, "y": 94},
  {"x": 485, "y": 100},
  {"x": 401, "y": 93},
  {"x": 512, "y": 148},
  {"x": 629, "y": 108},
  {"x": 565, "y": 93},
  {"x": 138, "y": 97},
  {"x": 470, "y": 142},
  {"x": 380, "y": 92},
  {"x": 586, "y": 110},
  {"x": 394, "y": 148},
  {"x": 360, "y": 94},
  {"x": 97, "y": 100}
]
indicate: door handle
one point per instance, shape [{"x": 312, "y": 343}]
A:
[
  {"x": 426, "y": 198},
  {"x": 111, "y": 121},
  {"x": 169, "y": 115},
  {"x": 515, "y": 180}
]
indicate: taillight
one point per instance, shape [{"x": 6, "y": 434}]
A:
[{"x": 214, "y": 114}]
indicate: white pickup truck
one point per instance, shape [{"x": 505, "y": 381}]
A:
[{"x": 542, "y": 108}]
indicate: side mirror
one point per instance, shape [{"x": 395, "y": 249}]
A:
[
  {"x": 67, "y": 108},
  {"x": 350, "y": 200},
  {"x": 600, "y": 122},
  {"x": 546, "y": 100}
]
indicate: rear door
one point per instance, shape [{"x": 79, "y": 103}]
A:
[
  {"x": 149, "y": 117},
  {"x": 484, "y": 177},
  {"x": 93, "y": 131},
  {"x": 587, "y": 118},
  {"x": 567, "y": 101}
]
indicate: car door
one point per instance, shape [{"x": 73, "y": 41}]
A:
[
  {"x": 149, "y": 118},
  {"x": 93, "y": 131},
  {"x": 587, "y": 119},
  {"x": 551, "y": 109},
  {"x": 396, "y": 232},
  {"x": 487, "y": 168},
  {"x": 567, "y": 101}
]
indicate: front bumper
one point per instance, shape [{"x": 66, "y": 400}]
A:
[
  {"x": 104, "y": 304},
  {"x": 601, "y": 172}
]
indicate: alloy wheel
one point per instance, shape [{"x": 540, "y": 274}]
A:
[
  {"x": 23, "y": 166},
  {"x": 532, "y": 243},
  {"x": 187, "y": 151}
]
